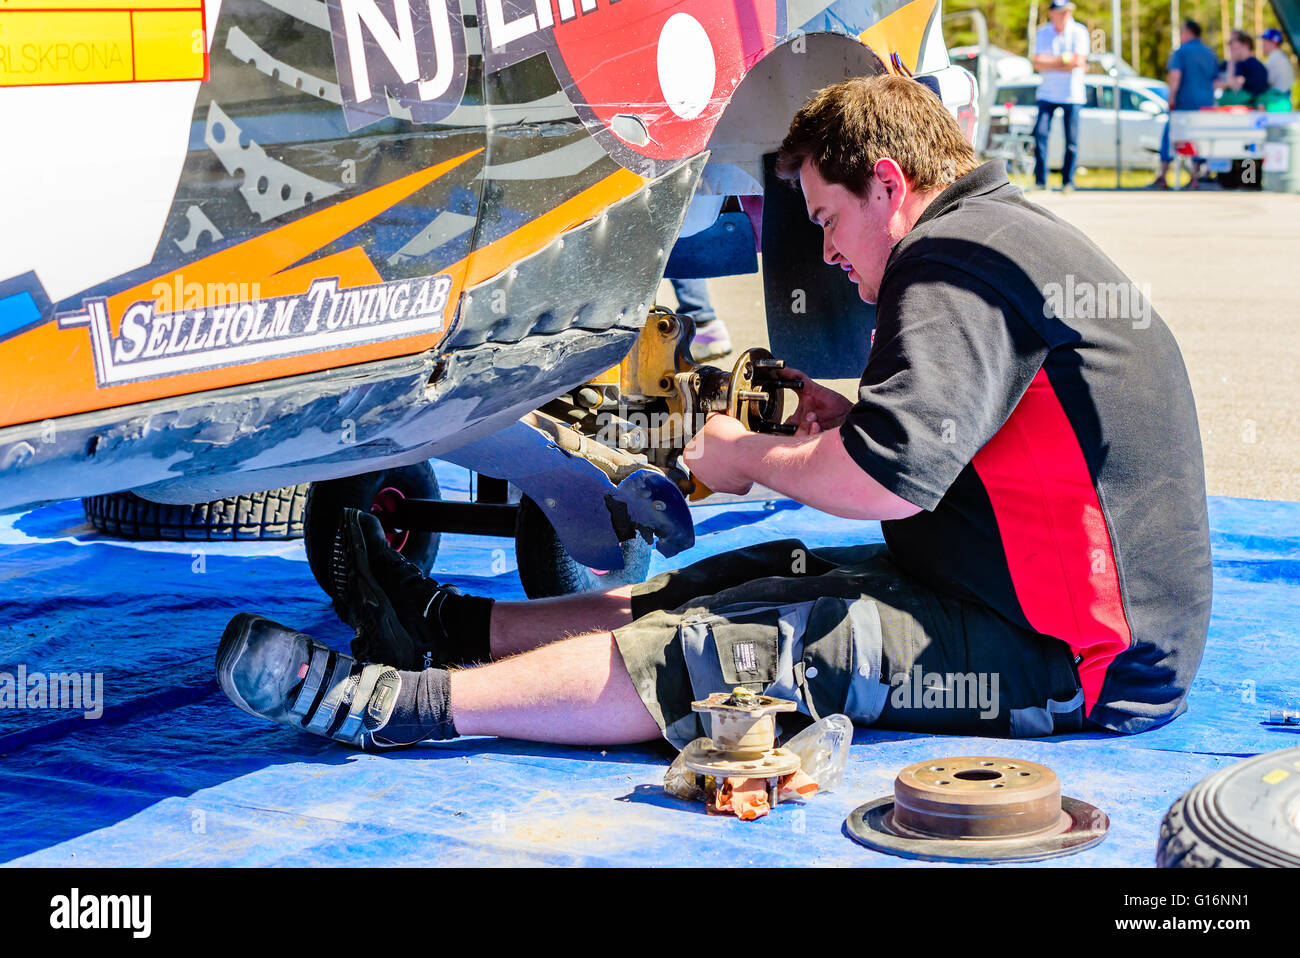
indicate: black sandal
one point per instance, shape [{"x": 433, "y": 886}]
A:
[{"x": 280, "y": 674}]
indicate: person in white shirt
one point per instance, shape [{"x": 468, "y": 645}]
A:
[
  {"x": 1060, "y": 56},
  {"x": 1280, "y": 75}
]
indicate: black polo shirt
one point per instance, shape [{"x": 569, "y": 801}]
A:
[{"x": 1023, "y": 393}]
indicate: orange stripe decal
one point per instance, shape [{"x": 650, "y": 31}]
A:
[
  {"x": 257, "y": 260},
  {"x": 49, "y": 371},
  {"x": 484, "y": 263}
]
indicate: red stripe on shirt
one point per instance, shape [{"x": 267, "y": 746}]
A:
[{"x": 1054, "y": 535}]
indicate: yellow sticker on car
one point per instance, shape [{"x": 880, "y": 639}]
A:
[{"x": 58, "y": 42}]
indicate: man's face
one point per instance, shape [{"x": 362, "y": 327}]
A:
[
  {"x": 1237, "y": 50},
  {"x": 1059, "y": 18},
  {"x": 1187, "y": 36},
  {"x": 856, "y": 233},
  {"x": 1268, "y": 46}
]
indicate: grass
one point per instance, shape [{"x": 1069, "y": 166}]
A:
[
  {"x": 1097, "y": 178},
  {"x": 1105, "y": 179}
]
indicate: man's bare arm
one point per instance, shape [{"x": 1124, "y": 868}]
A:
[{"x": 818, "y": 471}]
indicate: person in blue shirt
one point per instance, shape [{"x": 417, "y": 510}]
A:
[
  {"x": 1193, "y": 68},
  {"x": 1244, "y": 77}
]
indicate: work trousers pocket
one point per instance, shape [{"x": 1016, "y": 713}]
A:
[{"x": 823, "y": 654}]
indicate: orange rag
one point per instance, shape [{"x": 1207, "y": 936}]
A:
[
  {"x": 747, "y": 797},
  {"x": 797, "y": 785}
]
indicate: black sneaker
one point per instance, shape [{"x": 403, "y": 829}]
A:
[
  {"x": 393, "y": 606},
  {"x": 282, "y": 675}
]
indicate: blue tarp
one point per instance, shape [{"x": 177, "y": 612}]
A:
[{"x": 172, "y": 774}]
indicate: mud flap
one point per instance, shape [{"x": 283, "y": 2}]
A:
[
  {"x": 815, "y": 320},
  {"x": 589, "y": 513}
]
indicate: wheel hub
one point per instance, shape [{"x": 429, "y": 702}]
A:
[
  {"x": 387, "y": 502},
  {"x": 743, "y": 743}
]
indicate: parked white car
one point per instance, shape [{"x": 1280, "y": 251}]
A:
[
  {"x": 1142, "y": 117},
  {"x": 1011, "y": 67},
  {"x": 1100, "y": 64}
]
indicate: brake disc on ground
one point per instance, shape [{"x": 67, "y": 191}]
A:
[{"x": 977, "y": 809}]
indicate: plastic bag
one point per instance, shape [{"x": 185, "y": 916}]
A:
[
  {"x": 680, "y": 781},
  {"x": 823, "y": 750}
]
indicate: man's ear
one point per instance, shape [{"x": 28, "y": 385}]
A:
[{"x": 889, "y": 175}]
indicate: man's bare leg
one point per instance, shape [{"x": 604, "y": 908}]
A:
[
  {"x": 573, "y": 692},
  {"x": 524, "y": 626}
]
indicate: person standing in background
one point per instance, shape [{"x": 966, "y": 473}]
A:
[
  {"x": 712, "y": 340},
  {"x": 1193, "y": 68},
  {"x": 1281, "y": 77},
  {"x": 1060, "y": 55}
]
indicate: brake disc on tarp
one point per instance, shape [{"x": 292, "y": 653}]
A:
[{"x": 977, "y": 809}]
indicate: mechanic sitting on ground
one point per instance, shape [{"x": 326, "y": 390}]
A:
[{"x": 1025, "y": 429}]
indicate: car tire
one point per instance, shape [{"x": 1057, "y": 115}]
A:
[
  {"x": 547, "y": 569},
  {"x": 370, "y": 492},
  {"x": 1244, "y": 816},
  {"x": 273, "y": 514}
]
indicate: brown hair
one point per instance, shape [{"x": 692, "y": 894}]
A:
[
  {"x": 848, "y": 126},
  {"x": 1244, "y": 38}
]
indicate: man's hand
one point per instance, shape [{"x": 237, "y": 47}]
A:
[
  {"x": 820, "y": 408},
  {"x": 713, "y": 458},
  {"x": 1066, "y": 61}
]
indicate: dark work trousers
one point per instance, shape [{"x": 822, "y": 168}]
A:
[
  {"x": 1042, "y": 134},
  {"x": 693, "y": 300}
]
